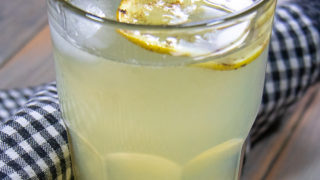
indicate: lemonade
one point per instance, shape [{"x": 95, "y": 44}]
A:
[{"x": 145, "y": 119}]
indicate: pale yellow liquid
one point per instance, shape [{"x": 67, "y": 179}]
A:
[{"x": 131, "y": 122}]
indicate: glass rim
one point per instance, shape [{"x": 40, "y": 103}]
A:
[{"x": 198, "y": 24}]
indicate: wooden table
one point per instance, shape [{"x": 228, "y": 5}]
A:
[{"x": 292, "y": 153}]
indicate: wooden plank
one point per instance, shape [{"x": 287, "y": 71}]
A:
[
  {"x": 20, "y": 20},
  {"x": 262, "y": 158},
  {"x": 32, "y": 65},
  {"x": 300, "y": 159}
]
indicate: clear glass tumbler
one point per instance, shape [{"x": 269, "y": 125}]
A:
[{"x": 169, "y": 101}]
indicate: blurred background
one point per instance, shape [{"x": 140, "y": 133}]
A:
[{"x": 25, "y": 46}]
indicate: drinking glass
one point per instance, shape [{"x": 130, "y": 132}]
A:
[{"x": 159, "y": 101}]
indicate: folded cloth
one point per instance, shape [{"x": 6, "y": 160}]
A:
[
  {"x": 33, "y": 139},
  {"x": 11, "y": 100},
  {"x": 33, "y": 142},
  {"x": 293, "y": 64}
]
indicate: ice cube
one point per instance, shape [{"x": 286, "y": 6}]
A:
[
  {"x": 69, "y": 49},
  {"x": 85, "y": 28},
  {"x": 235, "y": 5}
]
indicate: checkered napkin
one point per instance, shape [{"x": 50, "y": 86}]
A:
[
  {"x": 293, "y": 64},
  {"x": 33, "y": 142},
  {"x": 33, "y": 138}
]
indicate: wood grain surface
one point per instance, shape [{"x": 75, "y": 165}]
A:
[
  {"x": 30, "y": 66},
  {"x": 20, "y": 20},
  {"x": 300, "y": 157},
  {"x": 265, "y": 157}
]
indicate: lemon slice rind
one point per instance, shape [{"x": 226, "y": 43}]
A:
[
  {"x": 235, "y": 64},
  {"x": 129, "y": 12}
]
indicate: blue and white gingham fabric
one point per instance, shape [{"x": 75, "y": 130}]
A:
[
  {"x": 33, "y": 142},
  {"x": 33, "y": 136},
  {"x": 293, "y": 64}
]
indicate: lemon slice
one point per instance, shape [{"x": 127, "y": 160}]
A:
[
  {"x": 219, "y": 162},
  {"x": 167, "y": 12},
  {"x": 153, "y": 12},
  {"x": 136, "y": 166},
  {"x": 193, "y": 43},
  {"x": 235, "y": 62}
]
